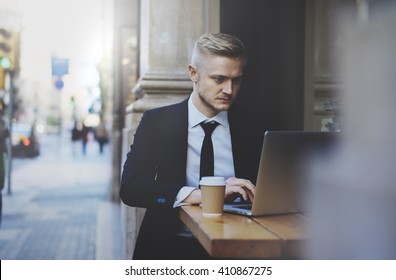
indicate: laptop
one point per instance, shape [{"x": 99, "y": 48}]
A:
[{"x": 285, "y": 159}]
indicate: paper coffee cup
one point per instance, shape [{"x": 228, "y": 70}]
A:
[{"x": 213, "y": 191}]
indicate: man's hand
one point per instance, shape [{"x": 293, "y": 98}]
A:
[
  {"x": 234, "y": 187},
  {"x": 239, "y": 187}
]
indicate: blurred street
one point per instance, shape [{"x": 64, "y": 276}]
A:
[{"x": 59, "y": 205}]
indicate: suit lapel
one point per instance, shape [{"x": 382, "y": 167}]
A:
[
  {"x": 235, "y": 144},
  {"x": 178, "y": 134},
  {"x": 246, "y": 145},
  {"x": 239, "y": 137}
]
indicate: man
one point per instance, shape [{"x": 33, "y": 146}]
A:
[{"x": 162, "y": 170}]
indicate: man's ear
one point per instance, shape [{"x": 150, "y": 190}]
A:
[{"x": 193, "y": 73}]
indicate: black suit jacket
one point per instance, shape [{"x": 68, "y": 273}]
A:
[{"x": 155, "y": 170}]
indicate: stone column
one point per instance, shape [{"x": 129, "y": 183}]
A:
[{"x": 168, "y": 31}]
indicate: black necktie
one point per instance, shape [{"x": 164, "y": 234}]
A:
[{"x": 207, "y": 158}]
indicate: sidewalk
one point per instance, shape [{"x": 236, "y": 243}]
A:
[{"x": 59, "y": 207}]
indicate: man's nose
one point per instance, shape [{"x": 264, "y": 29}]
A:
[{"x": 227, "y": 88}]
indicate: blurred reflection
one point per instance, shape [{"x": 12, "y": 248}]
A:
[{"x": 354, "y": 194}]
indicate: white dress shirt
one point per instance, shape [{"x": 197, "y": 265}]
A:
[{"x": 222, "y": 149}]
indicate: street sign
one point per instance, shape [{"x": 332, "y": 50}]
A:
[
  {"x": 60, "y": 66},
  {"x": 59, "y": 84}
]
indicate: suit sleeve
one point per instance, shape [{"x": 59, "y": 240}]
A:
[{"x": 139, "y": 185}]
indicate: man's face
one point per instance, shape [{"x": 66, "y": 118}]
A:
[{"x": 216, "y": 83}]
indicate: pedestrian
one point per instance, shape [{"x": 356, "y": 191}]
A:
[
  {"x": 76, "y": 132},
  {"x": 84, "y": 138},
  {"x": 162, "y": 169},
  {"x": 76, "y": 135},
  {"x": 101, "y": 135}
]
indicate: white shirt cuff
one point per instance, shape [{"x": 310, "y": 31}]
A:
[{"x": 183, "y": 193}]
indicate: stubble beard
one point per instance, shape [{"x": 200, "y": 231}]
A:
[{"x": 212, "y": 106}]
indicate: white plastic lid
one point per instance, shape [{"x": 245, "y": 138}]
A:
[{"x": 212, "y": 181}]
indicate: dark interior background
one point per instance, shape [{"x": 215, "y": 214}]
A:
[{"x": 273, "y": 32}]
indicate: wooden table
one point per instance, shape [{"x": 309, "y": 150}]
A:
[{"x": 235, "y": 236}]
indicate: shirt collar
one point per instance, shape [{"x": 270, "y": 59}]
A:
[{"x": 195, "y": 117}]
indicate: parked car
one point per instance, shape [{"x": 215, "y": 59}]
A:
[{"x": 24, "y": 141}]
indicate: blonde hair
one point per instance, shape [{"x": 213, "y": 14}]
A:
[{"x": 218, "y": 44}]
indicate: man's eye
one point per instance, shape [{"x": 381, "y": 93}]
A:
[
  {"x": 219, "y": 80},
  {"x": 237, "y": 80}
]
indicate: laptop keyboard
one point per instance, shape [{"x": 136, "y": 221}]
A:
[{"x": 247, "y": 207}]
